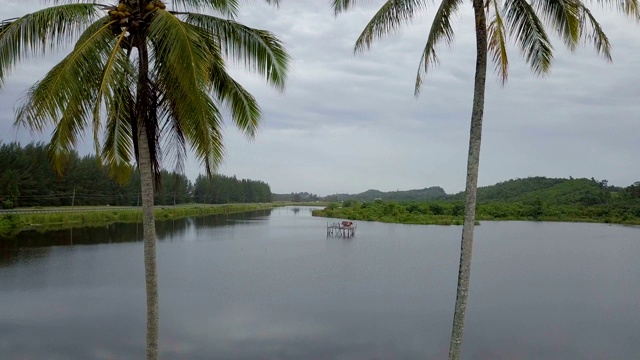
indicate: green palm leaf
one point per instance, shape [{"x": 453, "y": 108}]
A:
[
  {"x": 226, "y": 7},
  {"x": 73, "y": 78},
  {"x": 259, "y": 50},
  {"x": 497, "y": 41},
  {"x": 564, "y": 16},
  {"x": 339, "y": 6},
  {"x": 183, "y": 59},
  {"x": 66, "y": 95},
  {"x": 35, "y": 33},
  {"x": 117, "y": 150},
  {"x": 440, "y": 30},
  {"x": 631, "y": 8},
  {"x": 596, "y": 36},
  {"x": 392, "y": 14},
  {"x": 529, "y": 32},
  {"x": 116, "y": 91},
  {"x": 108, "y": 83},
  {"x": 245, "y": 110}
]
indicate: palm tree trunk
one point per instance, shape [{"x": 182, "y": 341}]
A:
[
  {"x": 473, "y": 161},
  {"x": 149, "y": 235},
  {"x": 148, "y": 218}
]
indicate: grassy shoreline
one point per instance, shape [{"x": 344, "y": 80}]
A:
[{"x": 14, "y": 223}]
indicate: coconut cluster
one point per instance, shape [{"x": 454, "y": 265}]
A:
[{"x": 128, "y": 15}]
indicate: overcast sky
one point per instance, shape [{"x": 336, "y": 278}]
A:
[{"x": 348, "y": 123}]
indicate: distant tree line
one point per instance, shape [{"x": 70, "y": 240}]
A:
[
  {"x": 452, "y": 212},
  {"x": 430, "y": 193},
  {"x": 220, "y": 189},
  {"x": 556, "y": 191},
  {"x": 548, "y": 190},
  {"x": 297, "y": 197},
  {"x": 536, "y": 198},
  {"x": 27, "y": 179}
]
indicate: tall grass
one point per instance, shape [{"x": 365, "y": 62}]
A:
[{"x": 11, "y": 224}]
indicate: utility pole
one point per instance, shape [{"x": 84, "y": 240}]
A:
[{"x": 73, "y": 197}]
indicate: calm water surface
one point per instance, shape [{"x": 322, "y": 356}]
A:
[{"x": 270, "y": 285}]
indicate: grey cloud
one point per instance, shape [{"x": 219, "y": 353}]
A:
[{"x": 347, "y": 123}]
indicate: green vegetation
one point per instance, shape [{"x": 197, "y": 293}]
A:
[
  {"x": 12, "y": 224},
  {"x": 537, "y": 198},
  {"x": 497, "y": 23},
  {"x": 431, "y": 193},
  {"x": 29, "y": 180},
  {"x": 150, "y": 81},
  {"x": 220, "y": 189},
  {"x": 296, "y": 197},
  {"x": 549, "y": 190}
]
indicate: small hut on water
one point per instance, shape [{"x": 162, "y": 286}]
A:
[{"x": 346, "y": 229}]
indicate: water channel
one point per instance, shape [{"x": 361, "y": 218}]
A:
[{"x": 271, "y": 285}]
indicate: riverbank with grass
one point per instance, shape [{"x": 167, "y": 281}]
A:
[
  {"x": 44, "y": 219},
  {"x": 452, "y": 213}
]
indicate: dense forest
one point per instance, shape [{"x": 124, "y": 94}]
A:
[
  {"x": 297, "y": 197},
  {"x": 432, "y": 193},
  {"x": 548, "y": 190},
  {"x": 221, "y": 189},
  {"x": 535, "y": 198},
  {"x": 27, "y": 179}
]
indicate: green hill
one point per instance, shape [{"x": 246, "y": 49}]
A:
[
  {"x": 549, "y": 190},
  {"x": 431, "y": 193}
]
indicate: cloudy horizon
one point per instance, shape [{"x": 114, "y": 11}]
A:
[{"x": 347, "y": 123}]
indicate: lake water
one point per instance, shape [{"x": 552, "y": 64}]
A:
[{"x": 271, "y": 285}]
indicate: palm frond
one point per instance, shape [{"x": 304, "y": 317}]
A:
[
  {"x": 259, "y": 50},
  {"x": 440, "y": 30},
  {"x": 631, "y": 8},
  {"x": 228, "y": 8},
  {"x": 392, "y": 15},
  {"x": 182, "y": 59},
  {"x": 497, "y": 41},
  {"x": 72, "y": 78},
  {"x": 72, "y": 81},
  {"x": 117, "y": 150},
  {"x": 109, "y": 81},
  {"x": 173, "y": 136},
  {"x": 596, "y": 36},
  {"x": 66, "y": 95},
  {"x": 528, "y": 30},
  {"x": 68, "y": 130},
  {"x": 40, "y": 31},
  {"x": 245, "y": 110},
  {"x": 339, "y": 6},
  {"x": 564, "y": 16}
]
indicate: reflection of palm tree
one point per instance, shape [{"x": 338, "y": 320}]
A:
[
  {"x": 515, "y": 18},
  {"x": 159, "y": 74}
]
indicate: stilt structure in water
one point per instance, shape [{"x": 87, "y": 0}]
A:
[{"x": 345, "y": 229}]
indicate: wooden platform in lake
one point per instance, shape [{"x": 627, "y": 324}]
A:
[{"x": 346, "y": 229}]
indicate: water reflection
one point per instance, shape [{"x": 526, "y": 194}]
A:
[
  {"x": 166, "y": 230},
  {"x": 13, "y": 249},
  {"x": 272, "y": 286}
]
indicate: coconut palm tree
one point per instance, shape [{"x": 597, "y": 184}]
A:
[
  {"x": 521, "y": 20},
  {"x": 145, "y": 78}
]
